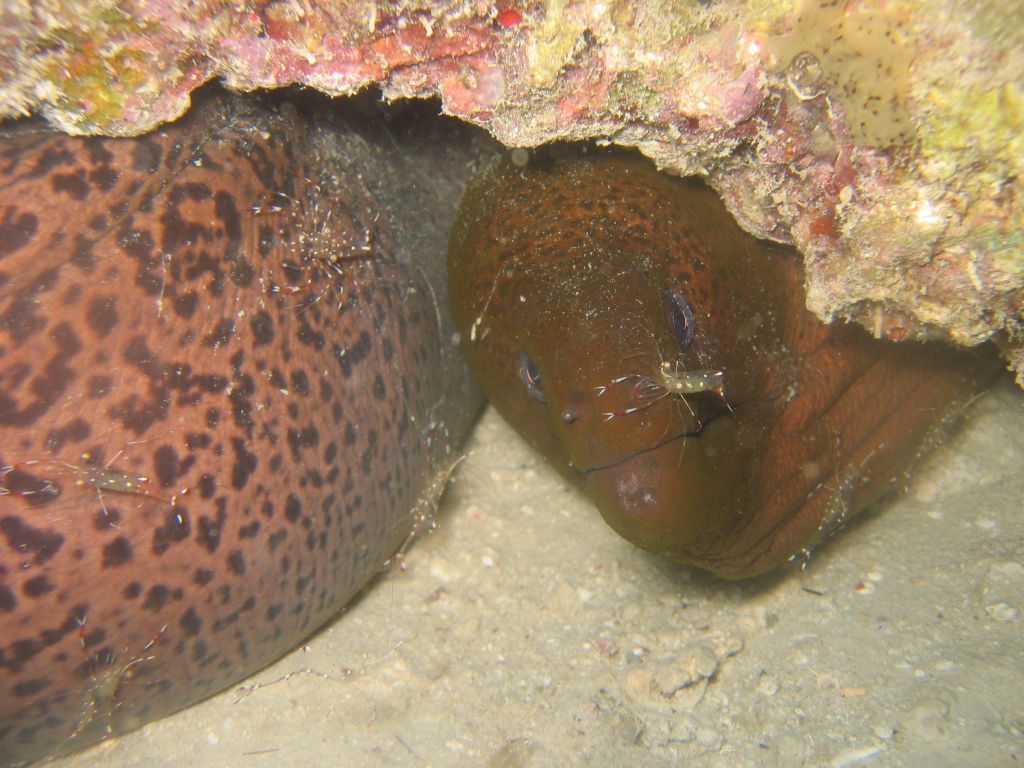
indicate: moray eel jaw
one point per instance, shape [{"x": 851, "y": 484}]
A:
[
  {"x": 689, "y": 499},
  {"x": 656, "y": 508}
]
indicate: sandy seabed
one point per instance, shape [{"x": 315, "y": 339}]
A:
[{"x": 523, "y": 632}]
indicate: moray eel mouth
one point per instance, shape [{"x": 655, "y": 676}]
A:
[
  {"x": 588, "y": 471},
  {"x": 699, "y": 425},
  {"x": 664, "y": 498},
  {"x": 685, "y": 496}
]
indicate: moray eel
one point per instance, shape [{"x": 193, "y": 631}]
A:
[
  {"x": 227, "y": 392},
  {"x": 664, "y": 361}
]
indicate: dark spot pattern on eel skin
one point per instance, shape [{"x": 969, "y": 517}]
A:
[{"x": 209, "y": 438}]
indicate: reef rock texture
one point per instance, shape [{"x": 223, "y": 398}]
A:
[{"x": 885, "y": 139}]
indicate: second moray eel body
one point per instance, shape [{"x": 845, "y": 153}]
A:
[
  {"x": 664, "y": 360},
  {"x": 227, "y": 391}
]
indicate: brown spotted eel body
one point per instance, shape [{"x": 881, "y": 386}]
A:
[
  {"x": 666, "y": 363},
  {"x": 227, "y": 384}
]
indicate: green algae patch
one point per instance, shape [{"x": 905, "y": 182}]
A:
[
  {"x": 97, "y": 71},
  {"x": 986, "y": 123}
]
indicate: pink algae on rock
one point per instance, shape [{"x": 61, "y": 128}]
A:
[{"x": 882, "y": 138}]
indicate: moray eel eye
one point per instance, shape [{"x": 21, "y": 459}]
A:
[
  {"x": 530, "y": 377},
  {"x": 680, "y": 318}
]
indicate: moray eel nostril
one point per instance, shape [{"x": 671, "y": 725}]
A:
[
  {"x": 226, "y": 387},
  {"x": 723, "y": 425}
]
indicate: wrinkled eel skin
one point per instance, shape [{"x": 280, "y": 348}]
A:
[
  {"x": 664, "y": 361},
  {"x": 227, "y": 390}
]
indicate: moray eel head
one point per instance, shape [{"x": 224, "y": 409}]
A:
[
  {"x": 592, "y": 308},
  {"x": 631, "y": 399},
  {"x": 664, "y": 361}
]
